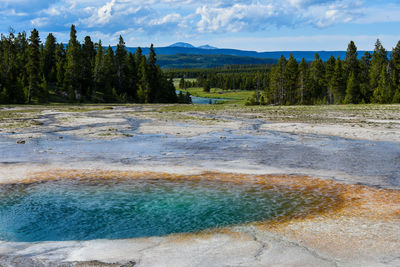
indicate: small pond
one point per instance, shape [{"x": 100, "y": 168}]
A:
[
  {"x": 204, "y": 100},
  {"x": 83, "y": 209}
]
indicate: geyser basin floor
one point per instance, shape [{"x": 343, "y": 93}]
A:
[{"x": 349, "y": 225}]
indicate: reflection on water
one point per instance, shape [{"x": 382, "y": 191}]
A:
[
  {"x": 204, "y": 100},
  {"x": 84, "y": 209}
]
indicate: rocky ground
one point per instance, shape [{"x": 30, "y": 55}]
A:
[{"x": 353, "y": 151}]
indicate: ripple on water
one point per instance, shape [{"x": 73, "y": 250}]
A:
[{"x": 85, "y": 209}]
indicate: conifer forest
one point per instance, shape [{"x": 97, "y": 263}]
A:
[{"x": 36, "y": 72}]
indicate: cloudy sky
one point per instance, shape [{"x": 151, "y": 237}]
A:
[{"x": 261, "y": 25}]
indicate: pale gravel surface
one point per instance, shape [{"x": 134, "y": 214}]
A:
[{"x": 197, "y": 141}]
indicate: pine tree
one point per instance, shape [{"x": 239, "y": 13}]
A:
[
  {"x": 49, "y": 61},
  {"x": 73, "y": 70},
  {"x": 317, "y": 80},
  {"x": 98, "y": 71},
  {"x": 338, "y": 83},
  {"x": 383, "y": 93},
  {"x": 351, "y": 61},
  {"x": 206, "y": 86},
  {"x": 133, "y": 80},
  {"x": 88, "y": 55},
  {"x": 277, "y": 82},
  {"x": 121, "y": 67},
  {"x": 154, "y": 92},
  {"x": 33, "y": 66},
  {"x": 138, "y": 56},
  {"x": 329, "y": 73},
  {"x": 182, "y": 83},
  {"x": 395, "y": 59},
  {"x": 365, "y": 64},
  {"x": 60, "y": 65},
  {"x": 352, "y": 90},
  {"x": 109, "y": 76},
  {"x": 303, "y": 75},
  {"x": 290, "y": 77},
  {"x": 378, "y": 62}
]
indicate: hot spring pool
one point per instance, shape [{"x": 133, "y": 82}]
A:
[{"x": 83, "y": 209}]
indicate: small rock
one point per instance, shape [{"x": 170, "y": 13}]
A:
[
  {"x": 60, "y": 137},
  {"x": 21, "y": 142}
]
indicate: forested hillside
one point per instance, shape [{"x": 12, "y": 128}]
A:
[
  {"x": 33, "y": 72},
  {"x": 373, "y": 78},
  {"x": 207, "y": 61}
]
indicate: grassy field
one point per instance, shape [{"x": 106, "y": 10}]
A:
[
  {"x": 237, "y": 97},
  {"x": 234, "y": 97}
]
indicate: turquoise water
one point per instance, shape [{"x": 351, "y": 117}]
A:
[{"x": 84, "y": 210}]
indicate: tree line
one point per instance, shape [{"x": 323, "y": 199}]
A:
[
  {"x": 372, "y": 79},
  {"x": 226, "y": 69},
  {"x": 33, "y": 72}
]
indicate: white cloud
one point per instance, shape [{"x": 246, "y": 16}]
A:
[
  {"x": 259, "y": 15},
  {"x": 39, "y": 22},
  {"x": 170, "y": 18},
  {"x": 12, "y": 12}
]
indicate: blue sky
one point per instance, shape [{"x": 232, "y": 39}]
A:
[{"x": 261, "y": 25}]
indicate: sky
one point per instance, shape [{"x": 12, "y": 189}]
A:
[{"x": 260, "y": 25}]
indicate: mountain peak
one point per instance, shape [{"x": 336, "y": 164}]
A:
[
  {"x": 181, "y": 44},
  {"x": 207, "y": 47}
]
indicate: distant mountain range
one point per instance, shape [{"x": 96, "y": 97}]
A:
[
  {"x": 181, "y": 48},
  {"x": 187, "y": 45},
  {"x": 179, "y": 61}
]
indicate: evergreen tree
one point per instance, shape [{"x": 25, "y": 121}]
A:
[
  {"x": 206, "y": 86},
  {"x": 365, "y": 64},
  {"x": 33, "y": 66},
  {"x": 290, "y": 77},
  {"x": 383, "y": 93},
  {"x": 182, "y": 83},
  {"x": 303, "y": 75},
  {"x": 138, "y": 56},
  {"x": 338, "y": 83},
  {"x": 73, "y": 71},
  {"x": 60, "y": 65},
  {"x": 352, "y": 90},
  {"x": 152, "y": 76},
  {"x": 109, "y": 76},
  {"x": 133, "y": 79},
  {"x": 121, "y": 57},
  {"x": 277, "y": 83},
  {"x": 317, "y": 84},
  {"x": 329, "y": 73},
  {"x": 351, "y": 61},
  {"x": 49, "y": 61},
  {"x": 378, "y": 62},
  {"x": 395, "y": 60},
  {"x": 88, "y": 55},
  {"x": 99, "y": 71},
  {"x": 143, "y": 82}
]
